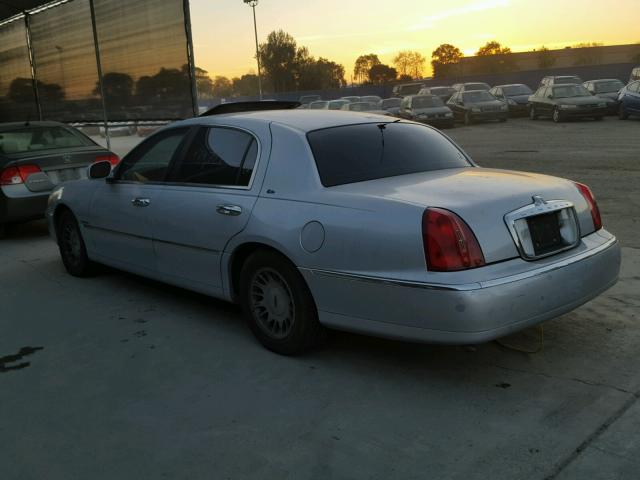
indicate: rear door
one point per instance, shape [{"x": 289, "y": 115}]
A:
[
  {"x": 208, "y": 199},
  {"x": 119, "y": 226}
]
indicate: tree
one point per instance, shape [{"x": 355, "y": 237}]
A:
[
  {"x": 204, "y": 84},
  {"x": 587, "y": 53},
  {"x": 363, "y": 66},
  {"x": 222, "y": 87},
  {"x": 117, "y": 87},
  {"x": 444, "y": 59},
  {"x": 546, "y": 59},
  {"x": 494, "y": 58},
  {"x": 492, "y": 48},
  {"x": 246, "y": 85},
  {"x": 410, "y": 63},
  {"x": 380, "y": 74},
  {"x": 278, "y": 60}
]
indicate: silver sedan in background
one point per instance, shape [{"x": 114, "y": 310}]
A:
[{"x": 354, "y": 221}]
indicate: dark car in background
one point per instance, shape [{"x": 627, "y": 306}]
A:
[
  {"x": 559, "y": 80},
  {"x": 477, "y": 105},
  {"x": 350, "y": 98},
  {"x": 608, "y": 89},
  {"x": 371, "y": 99},
  {"x": 465, "y": 87},
  {"x": 561, "y": 102},
  {"x": 34, "y": 158},
  {"x": 391, "y": 105},
  {"x": 443, "y": 92},
  {"x": 318, "y": 105},
  {"x": 629, "y": 101},
  {"x": 405, "y": 89},
  {"x": 336, "y": 104},
  {"x": 426, "y": 109},
  {"x": 516, "y": 95}
]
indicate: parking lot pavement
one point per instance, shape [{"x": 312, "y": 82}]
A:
[{"x": 135, "y": 379}]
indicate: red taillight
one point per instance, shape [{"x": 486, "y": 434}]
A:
[
  {"x": 449, "y": 244},
  {"x": 593, "y": 205},
  {"x": 18, "y": 174},
  {"x": 112, "y": 158}
]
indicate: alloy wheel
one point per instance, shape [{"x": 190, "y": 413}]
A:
[{"x": 272, "y": 303}]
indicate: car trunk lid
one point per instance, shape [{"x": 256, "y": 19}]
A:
[{"x": 481, "y": 197}]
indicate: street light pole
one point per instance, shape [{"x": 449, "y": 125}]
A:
[{"x": 252, "y": 4}]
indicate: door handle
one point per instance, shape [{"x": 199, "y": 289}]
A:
[
  {"x": 232, "y": 210},
  {"x": 140, "y": 202}
]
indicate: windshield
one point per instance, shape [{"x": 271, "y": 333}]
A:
[
  {"x": 442, "y": 91},
  {"x": 318, "y": 105},
  {"x": 410, "y": 89},
  {"x": 609, "y": 86},
  {"x": 361, "y": 106},
  {"x": 391, "y": 102},
  {"x": 477, "y": 86},
  {"x": 516, "y": 90},
  {"x": 474, "y": 97},
  {"x": 337, "y": 104},
  {"x": 565, "y": 80},
  {"x": 31, "y": 139},
  {"x": 357, "y": 153},
  {"x": 426, "y": 102},
  {"x": 569, "y": 91}
]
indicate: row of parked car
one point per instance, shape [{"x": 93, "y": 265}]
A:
[{"x": 558, "y": 97}]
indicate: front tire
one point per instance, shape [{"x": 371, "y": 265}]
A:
[
  {"x": 532, "y": 113},
  {"x": 557, "y": 116},
  {"x": 278, "y": 305},
  {"x": 72, "y": 247}
]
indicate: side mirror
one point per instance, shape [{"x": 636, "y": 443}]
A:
[
  {"x": 38, "y": 182},
  {"x": 99, "y": 170}
]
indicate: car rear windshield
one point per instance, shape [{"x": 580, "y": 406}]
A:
[
  {"x": 609, "y": 86},
  {"x": 357, "y": 153},
  {"x": 477, "y": 96},
  {"x": 391, "y": 102},
  {"x": 476, "y": 86},
  {"x": 517, "y": 90},
  {"x": 410, "y": 89},
  {"x": 31, "y": 139}
]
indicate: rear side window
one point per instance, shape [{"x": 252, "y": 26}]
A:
[
  {"x": 219, "y": 156},
  {"x": 357, "y": 153},
  {"x": 32, "y": 139}
]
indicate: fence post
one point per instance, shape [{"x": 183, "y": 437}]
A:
[
  {"x": 190, "y": 58},
  {"x": 99, "y": 66},
  {"x": 32, "y": 65}
]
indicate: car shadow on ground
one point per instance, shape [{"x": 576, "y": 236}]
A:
[{"x": 28, "y": 230}]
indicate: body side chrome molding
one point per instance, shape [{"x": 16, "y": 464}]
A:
[{"x": 465, "y": 286}]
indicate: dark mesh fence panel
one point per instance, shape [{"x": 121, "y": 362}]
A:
[
  {"x": 64, "y": 54},
  {"x": 17, "y": 100},
  {"x": 143, "y": 52}
]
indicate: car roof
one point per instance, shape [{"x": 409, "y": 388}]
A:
[
  {"x": 605, "y": 80},
  {"x": 302, "y": 120},
  {"x": 511, "y": 85}
]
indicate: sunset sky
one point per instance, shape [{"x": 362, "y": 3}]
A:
[{"x": 341, "y": 30}]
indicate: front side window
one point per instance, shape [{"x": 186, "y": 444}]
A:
[
  {"x": 150, "y": 161},
  {"x": 357, "y": 153},
  {"x": 218, "y": 156}
]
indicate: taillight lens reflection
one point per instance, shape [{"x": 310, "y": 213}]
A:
[
  {"x": 112, "y": 158},
  {"x": 449, "y": 243},
  {"x": 593, "y": 205}
]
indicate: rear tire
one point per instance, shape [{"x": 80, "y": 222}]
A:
[
  {"x": 532, "y": 113},
  {"x": 622, "y": 113},
  {"x": 278, "y": 305},
  {"x": 72, "y": 247}
]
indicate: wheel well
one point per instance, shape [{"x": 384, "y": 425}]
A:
[{"x": 238, "y": 258}]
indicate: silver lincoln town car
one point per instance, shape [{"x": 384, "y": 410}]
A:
[{"x": 353, "y": 221}]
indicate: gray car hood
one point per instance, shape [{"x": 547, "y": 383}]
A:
[
  {"x": 521, "y": 99},
  {"x": 586, "y": 100}
]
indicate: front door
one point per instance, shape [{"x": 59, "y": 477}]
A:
[
  {"x": 119, "y": 231},
  {"x": 208, "y": 199}
]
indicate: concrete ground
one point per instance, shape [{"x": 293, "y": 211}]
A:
[{"x": 120, "y": 377}]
